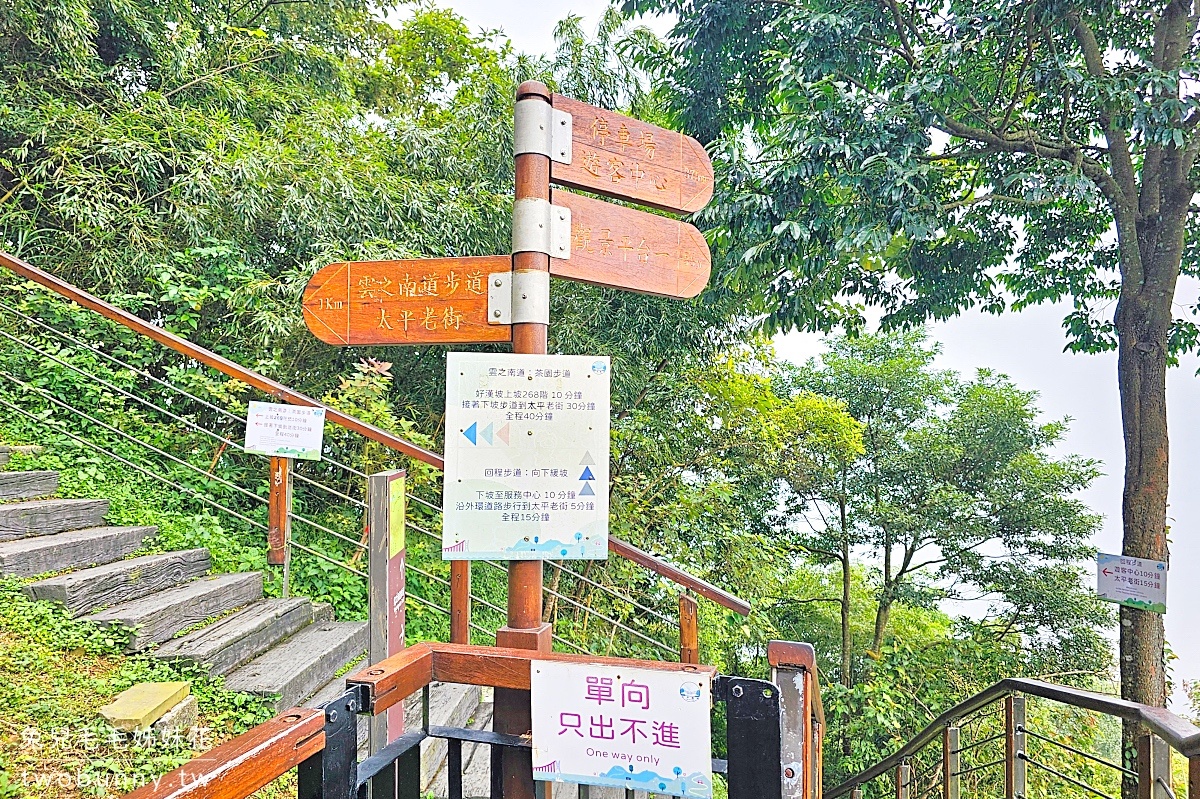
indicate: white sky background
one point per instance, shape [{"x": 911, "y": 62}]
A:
[{"x": 1027, "y": 346}]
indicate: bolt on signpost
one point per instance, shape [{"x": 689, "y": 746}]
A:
[{"x": 507, "y": 298}]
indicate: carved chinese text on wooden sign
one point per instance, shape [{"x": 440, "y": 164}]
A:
[
  {"x": 612, "y": 245},
  {"x": 619, "y": 156},
  {"x": 428, "y": 301}
]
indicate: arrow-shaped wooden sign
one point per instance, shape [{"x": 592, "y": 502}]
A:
[
  {"x": 612, "y": 245},
  {"x": 430, "y": 301},
  {"x": 619, "y": 156}
]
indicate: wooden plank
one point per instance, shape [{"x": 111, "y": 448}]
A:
[
  {"x": 23, "y": 485},
  {"x": 689, "y": 630},
  {"x": 429, "y": 301},
  {"x": 392, "y": 680},
  {"x": 122, "y": 581},
  {"x": 76, "y": 549},
  {"x": 279, "y": 506},
  {"x": 238, "y": 768},
  {"x": 302, "y": 664},
  {"x": 460, "y": 601},
  {"x": 509, "y": 668},
  {"x": 157, "y": 617},
  {"x": 223, "y": 646},
  {"x": 612, "y": 245},
  {"x": 623, "y": 157},
  {"x": 50, "y": 516}
]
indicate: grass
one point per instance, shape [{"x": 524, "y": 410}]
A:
[{"x": 55, "y": 674}]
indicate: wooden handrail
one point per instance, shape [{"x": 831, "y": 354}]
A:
[
  {"x": 282, "y": 392},
  {"x": 241, "y": 766}
]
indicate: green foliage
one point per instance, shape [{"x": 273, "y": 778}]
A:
[{"x": 56, "y": 674}]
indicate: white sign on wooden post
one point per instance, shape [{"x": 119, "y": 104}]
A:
[
  {"x": 641, "y": 729},
  {"x": 526, "y": 457},
  {"x": 285, "y": 431}
]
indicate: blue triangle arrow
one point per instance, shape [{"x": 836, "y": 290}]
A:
[
  {"x": 586, "y": 491},
  {"x": 587, "y": 474},
  {"x": 486, "y": 433},
  {"x": 470, "y": 432}
]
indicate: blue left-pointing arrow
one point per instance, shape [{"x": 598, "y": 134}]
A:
[{"x": 470, "y": 432}]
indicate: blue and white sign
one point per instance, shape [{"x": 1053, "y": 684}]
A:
[
  {"x": 640, "y": 729},
  {"x": 527, "y": 451}
]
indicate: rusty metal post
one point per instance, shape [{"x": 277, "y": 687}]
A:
[
  {"x": 460, "y": 601},
  {"x": 689, "y": 630},
  {"x": 903, "y": 781},
  {"x": 525, "y": 628},
  {"x": 1014, "y": 747},
  {"x": 951, "y": 763},
  {"x": 1154, "y": 768},
  {"x": 279, "y": 520}
]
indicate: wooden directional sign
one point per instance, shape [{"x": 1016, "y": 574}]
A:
[
  {"x": 619, "y": 156},
  {"x": 612, "y": 245},
  {"x": 430, "y": 301}
]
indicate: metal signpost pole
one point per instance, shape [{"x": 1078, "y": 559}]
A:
[{"x": 531, "y": 301}]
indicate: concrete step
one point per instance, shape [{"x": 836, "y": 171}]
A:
[
  {"x": 299, "y": 666},
  {"x": 125, "y": 580},
  {"x": 6, "y": 452},
  {"x": 76, "y": 549},
  {"x": 50, "y": 516},
  {"x": 159, "y": 616},
  {"x": 224, "y": 645},
  {"x": 26, "y": 485}
]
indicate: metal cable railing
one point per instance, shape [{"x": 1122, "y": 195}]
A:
[
  {"x": 1033, "y": 763},
  {"x": 60, "y": 348}
]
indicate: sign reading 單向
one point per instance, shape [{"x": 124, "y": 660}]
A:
[
  {"x": 640, "y": 729},
  {"x": 1133, "y": 582},
  {"x": 285, "y": 431},
  {"x": 526, "y": 457}
]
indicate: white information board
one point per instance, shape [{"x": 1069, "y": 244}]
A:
[
  {"x": 285, "y": 431},
  {"x": 526, "y": 457},
  {"x": 642, "y": 729},
  {"x": 1134, "y": 582}
]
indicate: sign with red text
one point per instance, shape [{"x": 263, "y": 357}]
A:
[
  {"x": 1133, "y": 582},
  {"x": 638, "y": 729},
  {"x": 284, "y": 431},
  {"x": 427, "y": 301},
  {"x": 527, "y": 449}
]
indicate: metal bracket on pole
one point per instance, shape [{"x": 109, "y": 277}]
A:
[
  {"x": 531, "y": 297},
  {"x": 541, "y": 128},
  {"x": 500, "y": 298},
  {"x": 541, "y": 227}
]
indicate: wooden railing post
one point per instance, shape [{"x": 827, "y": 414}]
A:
[
  {"x": 689, "y": 630},
  {"x": 279, "y": 521},
  {"x": 903, "y": 781},
  {"x": 1014, "y": 747},
  {"x": 856, "y": 794},
  {"x": 1154, "y": 768},
  {"x": 1193, "y": 777},
  {"x": 951, "y": 763},
  {"x": 460, "y": 601}
]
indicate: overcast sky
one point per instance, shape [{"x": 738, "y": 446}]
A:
[{"x": 1027, "y": 346}]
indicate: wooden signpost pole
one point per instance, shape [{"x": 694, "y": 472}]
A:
[{"x": 525, "y": 629}]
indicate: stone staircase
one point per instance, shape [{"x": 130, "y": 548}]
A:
[
  {"x": 284, "y": 650},
  {"x": 287, "y": 651}
]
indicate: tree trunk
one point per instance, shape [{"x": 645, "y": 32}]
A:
[
  {"x": 1143, "y": 321},
  {"x": 882, "y": 614}
]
